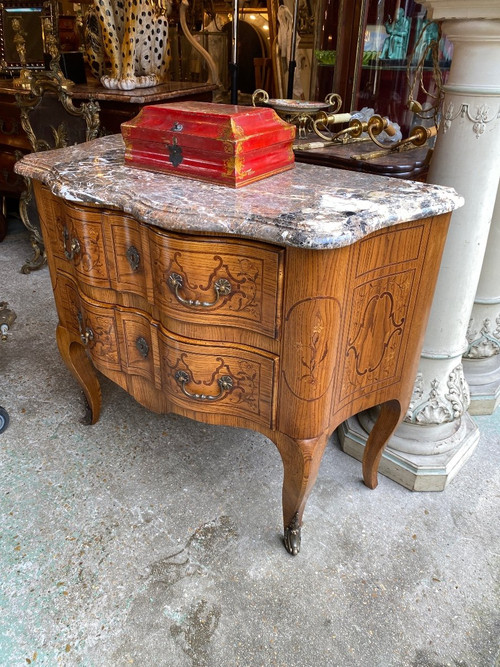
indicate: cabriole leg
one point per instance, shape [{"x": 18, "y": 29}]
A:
[
  {"x": 387, "y": 422},
  {"x": 77, "y": 361},
  {"x": 301, "y": 460}
]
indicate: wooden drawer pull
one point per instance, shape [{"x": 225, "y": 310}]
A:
[
  {"x": 222, "y": 287},
  {"x": 86, "y": 334},
  {"x": 225, "y": 385},
  {"x": 142, "y": 346},
  {"x": 74, "y": 247}
]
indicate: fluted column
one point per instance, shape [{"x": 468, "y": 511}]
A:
[
  {"x": 438, "y": 435},
  {"x": 482, "y": 358}
]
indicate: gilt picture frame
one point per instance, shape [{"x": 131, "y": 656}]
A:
[{"x": 24, "y": 27}]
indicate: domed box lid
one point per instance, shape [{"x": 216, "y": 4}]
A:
[{"x": 221, "y": 143}]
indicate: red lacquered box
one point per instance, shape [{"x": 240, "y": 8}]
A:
[{"x": 221, "y": 143}]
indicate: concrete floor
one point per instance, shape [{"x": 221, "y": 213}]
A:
[{"x": 156, "y": 541}]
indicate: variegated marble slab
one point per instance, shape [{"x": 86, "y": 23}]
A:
[{"x": 307, "y": 206}]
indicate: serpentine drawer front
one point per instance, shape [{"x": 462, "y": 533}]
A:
[
  {"x": 211, "y": 281},
  {"x": 123, "y": 343},
  {"x": 287, "y": 306}
]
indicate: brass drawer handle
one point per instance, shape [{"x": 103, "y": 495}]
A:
[
  {"x": 74, "y": 247},
  {"x": 222, "y": 287},
  {"x": 225, "y": 385},
  {"x": 142, "y": 346},
  {"x": 86, "y": 334},
  {"x": 133, "y": 258}
]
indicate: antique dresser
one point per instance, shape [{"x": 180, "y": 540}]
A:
[{"x": 285, "y": 306}]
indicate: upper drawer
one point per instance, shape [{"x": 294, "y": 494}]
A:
[
  {"x": 75, "y": 235},
  {"x": 209, "y": 281},
  {"x": 200, "y": 280}
]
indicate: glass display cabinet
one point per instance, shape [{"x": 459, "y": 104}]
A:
[{"x": 380, "y": 54}]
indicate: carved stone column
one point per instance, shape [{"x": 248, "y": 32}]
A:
[
  {"x": 482, "y": 359},
  {"x": 438, "y": 435}
]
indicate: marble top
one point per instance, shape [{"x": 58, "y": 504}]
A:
[
  {"x": 307, "y": 206},
  {"x": 163, "y": 92}
]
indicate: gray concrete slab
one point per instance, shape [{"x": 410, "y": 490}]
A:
[{"x": 154, "y": 540}]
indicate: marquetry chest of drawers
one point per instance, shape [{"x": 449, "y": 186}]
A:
[{"x": 286, "y": 306}]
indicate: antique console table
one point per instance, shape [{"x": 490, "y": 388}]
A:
[
  {"x": 118, "y": 106},
  {"x": 364, "y": 156},
  {"x": 285, "y": 306}
]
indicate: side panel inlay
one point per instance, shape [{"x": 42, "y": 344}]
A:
[
  {"x": 376, "y": 334},
  {"x": 312, "y": 328}
]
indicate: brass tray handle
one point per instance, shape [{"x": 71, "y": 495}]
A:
[
  {"x": 222, "y": 287},
  {"x": 225, "y": 383},
  {"x": 74, "y": 247}
]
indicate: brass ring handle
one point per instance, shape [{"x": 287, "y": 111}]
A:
[
  {"x": 74, "y": 248},
  {"x": 225, "y": 383},
  {"x": 222, "y": 287}
]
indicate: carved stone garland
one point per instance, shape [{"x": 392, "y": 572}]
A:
[{"x": 479, "y": 120}]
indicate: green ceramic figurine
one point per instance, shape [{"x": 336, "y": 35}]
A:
[{"x": 396, "y": 42}]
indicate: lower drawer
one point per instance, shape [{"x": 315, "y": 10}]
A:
[
  {"x": 222, "y": 378},
  {"x": 218, "y": 378}
]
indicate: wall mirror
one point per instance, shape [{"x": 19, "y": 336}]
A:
[{"x": 24, "y": 28}]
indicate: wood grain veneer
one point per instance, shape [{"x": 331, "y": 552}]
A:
[{"x": 306, "y": 337}]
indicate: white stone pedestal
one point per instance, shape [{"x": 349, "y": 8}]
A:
[
  {"x": 438, "y": 435},
  {"x": 417, "y": 472},
  {"x": 482, "y": 359}
]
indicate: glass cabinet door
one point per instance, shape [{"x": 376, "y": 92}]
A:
[{"x": 380, "y": 56}]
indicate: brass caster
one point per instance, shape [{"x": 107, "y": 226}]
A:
[{"x": 292, "y": 536}]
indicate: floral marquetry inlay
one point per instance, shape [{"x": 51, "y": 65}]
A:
[
  {"x": 103, "y": 344},
  {"x": 245, "y": 378},
  {"x": 244, "y": 278},
  {"x": 312, "y": 325},
  {"x": 240, "y": 383},
  {"x": 313, "y": 352},
  {"x": 92, "y": 257}
]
